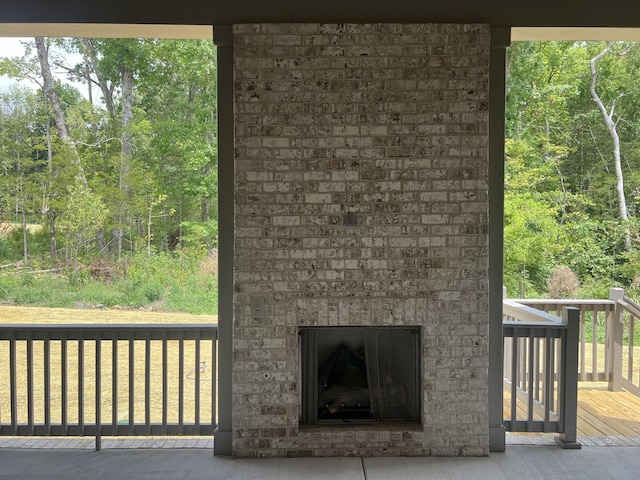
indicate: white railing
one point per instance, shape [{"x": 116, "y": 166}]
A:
[
  {"x": 540, "y": 371},
  {"x": 595, "y": 361},
  {"x": 609, "y": 331},
  {"x": 107, "y": 380}
]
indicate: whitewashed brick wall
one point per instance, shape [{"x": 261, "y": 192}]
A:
[{"x": 385, "y": 125}]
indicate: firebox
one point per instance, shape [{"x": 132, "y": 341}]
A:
[{"x": 360, "y": 375}]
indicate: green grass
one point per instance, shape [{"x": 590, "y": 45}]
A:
[{"x": 166, "y": 282}]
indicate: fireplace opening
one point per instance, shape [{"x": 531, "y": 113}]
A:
[{"x": 360, "y": 375}]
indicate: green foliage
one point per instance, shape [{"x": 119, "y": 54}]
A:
[
  {"x": 167, "y": 282},
  {"x": 11, "y": 244},
  {"x": 148, "y": 150},
  {"x": 200, "y": 237},
  {"x": 531, "y": 236},
  {"x": 560, "y": 197}
]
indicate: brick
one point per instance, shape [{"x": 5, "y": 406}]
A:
[{"x": 386, "y": 122}]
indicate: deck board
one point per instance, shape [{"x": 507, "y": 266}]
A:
[{"x": 604, "y": 417}]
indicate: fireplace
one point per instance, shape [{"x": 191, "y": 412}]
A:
[{"x": 352, "y": 375}]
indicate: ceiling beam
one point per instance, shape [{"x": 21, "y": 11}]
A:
[
  {"x": 520, "y": 34},
  {"x": 106, "y": 30}
]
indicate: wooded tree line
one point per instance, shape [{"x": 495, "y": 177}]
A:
[
  {"x": 572, "y": 186},
  {"x": 128, "y": 166}
]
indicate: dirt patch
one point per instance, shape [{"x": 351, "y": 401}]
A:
[{"x": 8, "y": 227}]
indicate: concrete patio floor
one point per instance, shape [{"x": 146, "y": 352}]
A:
[{"x": 523, "y": 462}]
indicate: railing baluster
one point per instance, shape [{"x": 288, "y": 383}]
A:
[
  {"x": 13, "y": 381},
  {"x": 147, "y": 385},
  {"x": 553, "y": 365},
  {"x": 197, "y": 386},
  {"x": 514, "y": 379},
  {"x": 535, "y": 367},
  {"x": 165, "y": 382},
  {"x": 114, "y": 384},
  {"x": 132, "y": 379},
  {"x": 98, "y": 395},
  {"x": 530, "y": 390},
  {"x": 30, "y": 386},
  {"x": 64, "y": 386},
  {"x": 47, "y": 384},
  {"x": 548, "y": 382},
  {"x": 522, "y": 378},
  {"x": 594, "y": 348},
  {"x": 181, "y": 385},
  {"x": 81, "y": 384}
]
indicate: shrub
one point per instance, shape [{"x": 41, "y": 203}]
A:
[{"x": 562, "y": 283}]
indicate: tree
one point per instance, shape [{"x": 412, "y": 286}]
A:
[
  {"x": 611, "y": 119},
  {"x": 146, "y": 131},
  {"x": 178, "y": 95},
  {"x": 559, "y": 166},
  {"x": 84, "y": 215},
  {"x": 21, "y": 177},
  {"x": 56, "y": 107}
]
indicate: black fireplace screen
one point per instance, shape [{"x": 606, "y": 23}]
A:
[{"x": 359, "y": 374}]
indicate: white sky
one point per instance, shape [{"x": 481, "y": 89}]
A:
[{"x": 11, "y": 47}]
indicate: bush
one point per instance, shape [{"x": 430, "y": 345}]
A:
[
  {"x": 178, "y": 282},
  {"x": 562, "y": 283},
  {"x": 199, "y": 236}
]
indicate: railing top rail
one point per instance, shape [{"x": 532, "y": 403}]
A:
[
  {"x": 107, "y": 326},
  {"x": 516, "y": 324},
  {"x": 524, "y": 313},
  {"x": 570, "y": 302},
  {"x": 630, "y": 306},
  {"x": 154, "y": 331}
]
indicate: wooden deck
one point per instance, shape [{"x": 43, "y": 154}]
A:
[{"x": 604, "y": 418}]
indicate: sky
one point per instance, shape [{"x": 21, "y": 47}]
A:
[{"x": 11, "y": 47}]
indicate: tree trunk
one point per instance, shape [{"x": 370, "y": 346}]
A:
[
  {"x": 126, "y": 152},
  {"x": 25, "y": 245},
  {"x": 91, "y": 56},
  {"x": 56, "y": 107},
  {"x": 53, "y": 243},
  {"x": 608, "y": 117}
]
